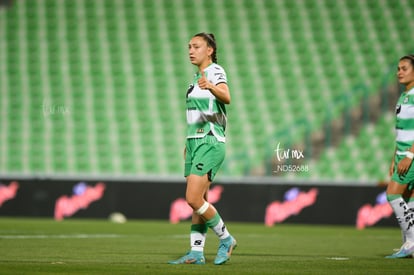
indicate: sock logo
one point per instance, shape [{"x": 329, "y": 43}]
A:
[
  {"x": 223, "y": 228},
  {"x": 198, "y": 242},
  {"x": 410, "y": 224}
]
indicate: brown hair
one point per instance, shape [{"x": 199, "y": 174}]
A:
[{"x": 409, "y": 57}]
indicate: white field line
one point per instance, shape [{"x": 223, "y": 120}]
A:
[{"x": 71, "y": 236}]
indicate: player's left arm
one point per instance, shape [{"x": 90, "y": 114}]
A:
[{"x": 221, "y": 92}]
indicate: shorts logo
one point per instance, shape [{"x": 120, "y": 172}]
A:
[
  {"x": 220, "y": 76},
  {"x": 199, "y": 166}
]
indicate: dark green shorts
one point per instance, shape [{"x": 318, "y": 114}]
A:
[
  {"x": 408, "y": 178},
  {"x": 204, "y": 156}
]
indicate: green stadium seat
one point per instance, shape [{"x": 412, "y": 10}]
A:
[{"x": 290, "y": 69}]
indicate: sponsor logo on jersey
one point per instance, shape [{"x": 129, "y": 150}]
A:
[
  {"x": 220, "y": 76},
  {"x": 398, "y": 109},
  {"x": 190, "y": 89}
]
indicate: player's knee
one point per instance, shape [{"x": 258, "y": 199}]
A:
[
  {"x": 199, "y": 205},
  {"x": 194, "y": 194},
  {"x": 395, "y": 188},
  {"x": 195, "y": 202},
  {"x": 202, "y": 209}
]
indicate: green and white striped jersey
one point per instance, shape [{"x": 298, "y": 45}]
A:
[
  {"x": 404, "y": 125},
  {"x": 204, "y": 112}
]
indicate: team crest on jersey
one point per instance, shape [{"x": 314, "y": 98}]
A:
[{"x": 406, "y": 100}]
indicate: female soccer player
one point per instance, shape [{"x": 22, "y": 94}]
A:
[
  {"x": 205, "y": 148},
  {"x": 402, "y": 170}
]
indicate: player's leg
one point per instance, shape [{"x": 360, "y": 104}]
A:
[
  {"x": 211, "y": 217},
  {"x": 205, "y": 164},
  {"x": 196, "y": 194},
  {"x": 200, "y": 171},
  {"x": 202, "y": 208},
  {"x": 409, "y": 199},
  {"x": 209, "y": 159},
  {"x": 404, "y": 215},
  {"x": 198, "y": 228}
]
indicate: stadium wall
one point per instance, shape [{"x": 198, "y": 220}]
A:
[{"x": 267, "y": 203}]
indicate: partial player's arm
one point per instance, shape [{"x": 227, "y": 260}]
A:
[{"x": 220, "y": 91}]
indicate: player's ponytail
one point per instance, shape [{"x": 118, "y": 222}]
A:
[{"x": 211, "y": 42}]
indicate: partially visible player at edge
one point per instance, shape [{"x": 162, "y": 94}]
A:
[
  {"x": 205, "y": 148},
  {"x": 400, "y": 189}
]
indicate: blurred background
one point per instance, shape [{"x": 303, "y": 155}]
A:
[{"x": 98, "y": 87}]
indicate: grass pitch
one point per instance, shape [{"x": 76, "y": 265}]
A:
[{"x": 43, "y": 246}]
